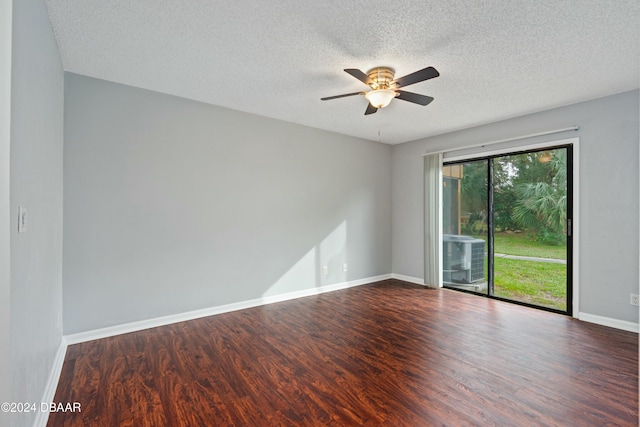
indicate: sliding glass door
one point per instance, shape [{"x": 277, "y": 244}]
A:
[{"x": 507, "y": 227}]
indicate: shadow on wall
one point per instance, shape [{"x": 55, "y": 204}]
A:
[{"x": 322, "y": 265}]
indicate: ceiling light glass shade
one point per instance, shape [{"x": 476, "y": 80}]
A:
[
  {"x": 544, "y": 157},
  {"x": 380, "y": 98}
]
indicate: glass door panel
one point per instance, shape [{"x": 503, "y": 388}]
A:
[
  {"x": 530, "y": 235},
  {"x": 465, "y": 227}
]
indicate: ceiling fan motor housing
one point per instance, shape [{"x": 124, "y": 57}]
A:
[{"x": 381, "y": 77}]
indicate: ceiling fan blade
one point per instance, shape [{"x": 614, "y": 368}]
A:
[
  {"x": 359, "y": 75},
  {"x": 370, "y": 109},
  {"x": 341, "y": 96},
  {"x": 416, "y": 98},
  {"x": 418, "y": 76}
]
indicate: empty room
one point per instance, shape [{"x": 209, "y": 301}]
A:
[{"x": 411, "y": 213}]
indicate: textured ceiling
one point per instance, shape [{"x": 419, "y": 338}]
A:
[{"x": 497, "y": 59}]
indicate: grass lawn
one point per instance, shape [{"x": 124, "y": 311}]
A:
[
  {"x": 525, "y": 245},
  {"x": 540, "y": 283}
]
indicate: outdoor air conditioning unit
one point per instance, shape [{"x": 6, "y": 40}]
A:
[{"x": 463, "y": 259}]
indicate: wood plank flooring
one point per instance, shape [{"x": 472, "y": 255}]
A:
[{"x": 388, "y": 353}]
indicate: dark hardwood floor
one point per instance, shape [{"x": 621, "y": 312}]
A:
[{"x": 388, "y": 353}]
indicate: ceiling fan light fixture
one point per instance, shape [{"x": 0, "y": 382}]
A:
[
  {"x": 545, "y": 157},
  {"x": 380, "y": 98},
  {"x": 384, "y": 87}
]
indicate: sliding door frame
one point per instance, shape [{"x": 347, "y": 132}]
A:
[{"x": 573, "y": 229}]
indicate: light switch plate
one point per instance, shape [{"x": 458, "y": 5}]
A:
[{"x": 22, "y": 219}]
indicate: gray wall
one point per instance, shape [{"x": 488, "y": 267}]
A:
[
  {"x": 172, "y": 205},
  {"x": 36, "y": 183},
  {"x": 608, "y": 270},
  {"x": 5, "y": 246}
]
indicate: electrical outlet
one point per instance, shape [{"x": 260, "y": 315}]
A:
[
  {"x": 635, "y": 299},
  {"x": 345, "y": 267},
  {"x": 325, "y": 270}
]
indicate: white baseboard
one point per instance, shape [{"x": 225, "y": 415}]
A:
[
  {"x": 416, "y": 280},
  {"x": 52, "y": 384},
  {"x": 608, "y": 321},
  {"x": 196, "y": 314}
]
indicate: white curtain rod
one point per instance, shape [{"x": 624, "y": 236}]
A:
[{"x": 531, "y": 135}]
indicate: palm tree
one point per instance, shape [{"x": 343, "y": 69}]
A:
[{"x": 543, "y": 205}]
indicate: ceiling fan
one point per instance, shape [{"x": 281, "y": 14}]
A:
[{"x": 384, "y": 88}]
